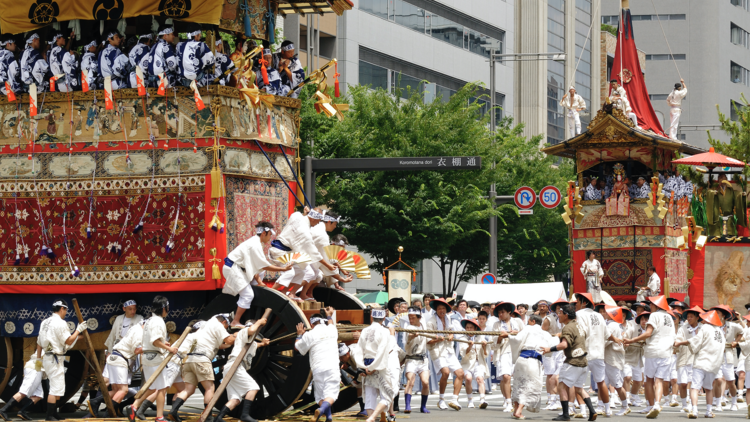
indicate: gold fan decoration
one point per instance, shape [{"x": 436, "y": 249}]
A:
[
  {"x": 337, "y": 254},
  {"x": 295, "y": 257},
  {"x": 360, "y": 266}
]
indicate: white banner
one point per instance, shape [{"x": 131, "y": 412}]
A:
[{"x": 399, "y": 284}]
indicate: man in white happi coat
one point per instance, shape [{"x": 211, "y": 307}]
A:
[
  {"x": 745, "y": 357},
  {"x": 243, "y": 265},
  {"x": 353, "y": 363},
  {"x": 31, "y": 390},
  {"x": 502, "y": 352},
  {"x": 652, "y": 287},
  {"x": 614, "y": 354},
  {"x": 674, "y": 100},
  {"x": 552, "y": 362},
  {"x": 242, "y": 385},
  {"x": 594, "y": 328},
  {"x": 119, "y": 367},
  {"x": 381, "y": 381},
  {"x": 443, "y": 354},
  {"x": 313, "y": 273},
  {"x": 296, "y": 236},
  {"x": 197, "y": 368},
  {"x": 528, "y": 373},
  {"x": 659, "y": 336},
  {"x": 322, "y": 344},
  {"x": 55, "y": 340},
  {"x": 575, "y": 104},
  {"x": 733, "y": 333},
  {"x": 122, "y": 324},
  {"x": 474, "y": 360},
  {"x": 685, "y": 355},
  {"x": 416, "y": 364},
  {"x": 155, "y": 348},
  {"x": 619, "y": 98},
  {"x": 593, "y": 273},
  {"x": 708, "y": 350}
]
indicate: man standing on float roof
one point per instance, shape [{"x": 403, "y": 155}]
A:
[
  {"x": 575, "y": 104},
  {"x": 675, "y": 106}
]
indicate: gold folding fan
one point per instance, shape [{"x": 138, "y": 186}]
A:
[
  {"x": 337, "y": 254},
  {"x": 360, "y": 266},
  {"x": 295, "y": 257}
]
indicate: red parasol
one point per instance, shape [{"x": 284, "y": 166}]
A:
[{"x": 710, "y": 159}]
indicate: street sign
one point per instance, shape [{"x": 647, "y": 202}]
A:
[
  {"x": 525, "y": 212},
  {"x": 525, "y": 198},
  {"x": 397, "y": 163},
  {"x": 488, "y": 278},
  {"x": 550, "y": 197}
]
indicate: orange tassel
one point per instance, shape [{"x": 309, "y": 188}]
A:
[
  {"x": 11, "y": 94},
  {"x": 336, "y": 75},
  {"x": 263, "y": 71},
  {"x": 52, "y": 83},
  {"x": 84, "y": 82}
]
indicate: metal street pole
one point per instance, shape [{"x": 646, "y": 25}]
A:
[{"x": 493, "y": 193}]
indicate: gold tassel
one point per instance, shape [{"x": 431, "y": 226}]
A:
[
  {"x": 217, "y": 187},
  {"x": 216, "y": 274}
]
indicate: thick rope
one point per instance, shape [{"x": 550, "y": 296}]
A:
[
  {"x": 665, "y": 39},
  {"x": 580, "y": 56}
]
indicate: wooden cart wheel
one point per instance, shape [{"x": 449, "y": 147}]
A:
[
  {"x": 281, "y": 372},
  {"x": 6, "y": 360},
  {"x": 75, "y": 375}
]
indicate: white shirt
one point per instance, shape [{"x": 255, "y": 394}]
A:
[
  {"x": 592, "y": 266},
  {"x": 417, "y": 345},
  {"x": 578, "y": 102},
  {"x": 126, "y": 347},
  {"x": 654, "y": 284},
  {"x": 250, "y": 256},
  {"x": 504, "y": 345},
  {"x": 120, "y": 329},
  {"x": 660, "y": 344},
  {"x": 153, "y": 330},
  {"x": 208, "y": 340},
  {"x": 242, "y": 339},
  {"x": 53, "y": 333},
  {"x": 708, "y": 348},
  {"x": 297, "y": 236},
  {"x": 675, "y": 97},
  {"x": 475, "y": 355},
  {"x": 321, "y": 240},
  {"x": 614, "y": 353},
  {"x": 532, "y": 337},
  {"x": 592, "y": 325},
  {"x": 374, "y": 343},
  {"x": 322, "y": 344},
  {"x": 684, "y": 355},
  {"x": 731, "y": 330}
]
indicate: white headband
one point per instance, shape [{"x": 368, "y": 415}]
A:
[
  {"x": 128, "y": 303},
  {"x": 198, "y": 325},
  {"x": 329, "y": 219},
  {"x": 415, "y": 312},
  {"x": 267, "y": 52},
  {"x": 149, "y": 36},
  {"x": 166, "y": 31},
  {"x": 378, "y": 313},
  {"x": 32, "y": 38},
  {"x": 59, "y": 303},
  {"x": 219, "y": 42},
  {"x": 89, "y": 45},
  {"x": 287, "y": 47},
  {"x": 259, "y": 230},
  {"x": 112, "y": 34},
  {"x": 3, "y": 43},
  {"x": 315, "y": 319},
  {"x": 315, "y": 215},
  {"x": 55, "y": 38},
  {"x": 194, "y": 33},
  {"x": 249, "y": 323},
  {"x": 571, "y": 87},
  {"x": 225, "y": 316},
  {"x": 343, "y": 349},
  {"x": 340, "y": 243}
]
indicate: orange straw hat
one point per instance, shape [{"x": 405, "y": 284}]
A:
[
  {"x": 587, "y": 296},
  {"x": 747, "y": 318},
  {"x": 725, "y": 310},
  {"x": 660, "y": 302},
  {"x": 615, "y": 312},
  {"x": 697, "y": 310},
  {"x": 558, "y": 302},
  {"x": 712, "y": 317}
]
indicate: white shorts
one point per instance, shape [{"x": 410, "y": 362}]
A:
[
  {"x": 450, "y": 362},
  {"x": 614, "y": 376},
  {"x": 287, "y": 278},
  {"x": 476, "y": 372},
  {"x": 32, "y": 383},
  {"x": 246, "y": 297},
  {"x": 55, "y": 373},
  {"x": 326, "y": 384},
  {"x": 312, "y": 274},
  {"x": 173, "y": 373},
  {"x": 240, "y": 384},
  {"x": 416, "y": 366},
  {"x": 552, "y": 364},
  {"x": 635, "y": 372},
  {"x": 160, "y": 382},
  {"x": 727, "y": 372},
  {"x": 116, "y": 374},
  {"x": 673, "y": 368},
  {"x": 598, "y": 372},
  {"x": 685, "y": 374},
  {"x": 658, "y": 368},
  {"x": 504, "y": 365},
  {"x": 573, "y": 376},
  {"x": 372, "y": 396},
  {"x": 703, "y": 379}
]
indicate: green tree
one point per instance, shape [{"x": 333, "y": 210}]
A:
[
  {"x": 738, "y": 131},
  {"x": 437, "y": 215}
]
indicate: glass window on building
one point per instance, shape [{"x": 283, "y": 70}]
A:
[
  {"x": 405, "y": 86},
  {"x": 372, "y": 75},
  {"x": 378, "y": 8},
  {"x": 446, "y": 30},
  {"x": 408, "y": 15},
  {"x": 732, "y": 111},
  {"x": 739, "y": 36}
]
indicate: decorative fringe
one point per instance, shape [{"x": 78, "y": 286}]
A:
[
  {"x": 138, "y": 227},
  {"x": 217, "y": 187},
  {"x": 26, "y": 258},
  {"x": 18, "y": 260},
  {"x": 50, "y": 254},
  {"x": 215, "y": 273},
  {"x": 88, "y": 232},
  {"x": 170, "y": 245},
  {"x": 76, "y": 272},
  {"x": 264, "y": 72},
  {"x": 43, "y": 251}
]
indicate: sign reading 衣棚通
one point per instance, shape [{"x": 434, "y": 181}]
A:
[{"x": 397, "y": 163}]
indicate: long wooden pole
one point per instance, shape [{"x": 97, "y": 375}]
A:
[
  {"x": 162, "y": 365},
  {"x": 228, "y": 376},
  {"x": 95, "y": 364}
]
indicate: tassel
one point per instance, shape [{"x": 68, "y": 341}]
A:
[
  {"x": 221, "y": 230},
  {"x": 76, "y": 272},
  {"x": 263, "y": 71},
  {"x": 26, "y": 258},
  {"x": 271, "y": 31},
  {"x": 11, "y": 94},
  {"x": 336, "y": 75},
  {"x": 215, "y": 273},
  {"x": 170, "y": 245},
  {"x": 195, "y": 149},
  {"x": 88, "y": 232},
  {"x": 215, "y": 223},
  {"x": 84, "y": 82},
  {"x": 151, "y": 140},
  {"x": 43, "y": 251},
  {"x": 18, "y": 260},
  {"x": 51, "y": 254},
  {"x": 138, "y": 227},
  {"x": 246, "y": 20}
]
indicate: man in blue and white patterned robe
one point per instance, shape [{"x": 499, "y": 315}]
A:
[
  {"x": 641, "y": 189},
  {"x": 114, "y": 63},
  {"x": 9, "y": 70},
  {"x": 196, "y": 59},
  {"x": 63, "y": 62},
  {"x": 223, "y": 64},
  {"x": 163, "y": 58},
  {"x": 139, "y": 56},
  {"x": 90, "y": 65},
  {"x": 592, "y": 193},
  {"x": 33, "y": 67},
  {"x": 289, "y": 66},
  {"x": 274, "y": 86}
]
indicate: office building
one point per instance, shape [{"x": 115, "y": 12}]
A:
[{"x": 710, "y": 45}]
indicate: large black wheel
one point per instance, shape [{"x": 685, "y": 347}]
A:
[
  {"x": 281, "y": 372},
  {"x": 8, "y": 368}
]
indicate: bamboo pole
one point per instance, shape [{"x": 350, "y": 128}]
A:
[{"x": 162, "y": 365}]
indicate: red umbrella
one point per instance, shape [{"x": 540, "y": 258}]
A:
[{"x": 710, "y": 159}]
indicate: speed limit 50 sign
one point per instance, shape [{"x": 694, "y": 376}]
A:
[{"x": 550, "y": 197}]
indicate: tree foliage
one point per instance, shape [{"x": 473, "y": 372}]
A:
[
  {"x": 437, "y": 215},
  {"x": 738, "y": 131}
]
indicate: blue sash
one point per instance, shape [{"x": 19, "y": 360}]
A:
[
  {"x": 531, "y": 354},
  {"x": 278, "y": 245}
]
